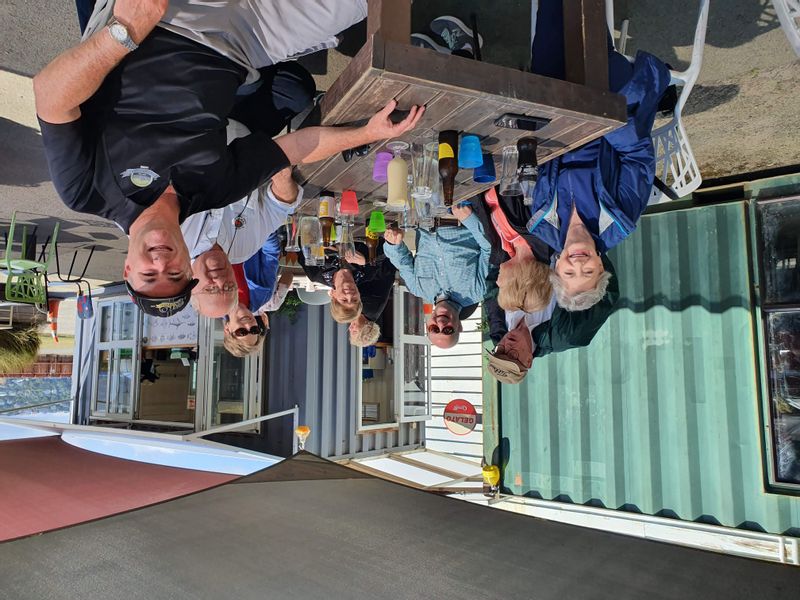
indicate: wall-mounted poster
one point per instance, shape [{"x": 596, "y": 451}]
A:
[{"x": 175, "y": 331}]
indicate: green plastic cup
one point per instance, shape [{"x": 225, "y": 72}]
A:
[{"x": 377, "y": 223}]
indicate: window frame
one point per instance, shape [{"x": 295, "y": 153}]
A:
[
  {"x": 399, "y": 342},
  {"x": 764, "y": 311},
  {"x": 114, "y": 347}
]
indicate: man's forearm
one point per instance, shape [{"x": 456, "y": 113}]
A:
[
  {"x": 318, "y": 143},
  {"x": 74, "y": 76}
]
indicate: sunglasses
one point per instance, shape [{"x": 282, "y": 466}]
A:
[
  {"x": 434, "y": 328},
  {"x": 258, "y": 329}
]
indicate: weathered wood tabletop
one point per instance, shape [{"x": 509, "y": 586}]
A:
[{"x": 465, "y": 95}]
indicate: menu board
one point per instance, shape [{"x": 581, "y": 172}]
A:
[{"x": 172, "y": 332}]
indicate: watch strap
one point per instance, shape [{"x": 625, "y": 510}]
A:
[{"x": 127, "y": 41}]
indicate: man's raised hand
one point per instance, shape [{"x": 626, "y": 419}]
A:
[
  {"x": 393, "y": 236},
  {"x": 462, "y": 211},
  {"x": 380, "y": 127}
]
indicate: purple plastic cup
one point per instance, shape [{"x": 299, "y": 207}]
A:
[{"x": 380, "y": 168}]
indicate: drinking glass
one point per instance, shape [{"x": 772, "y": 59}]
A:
[
  {"x": 509, "y": 181},
  {"x": 293, "y": 233},
  {"x": 426, "y": 211},
  {"x": 410, "y": 217},
  {"x": 346, "y": 243},
  {"x": 310, "y": 238},
  {"x": 424, "y": 162}
]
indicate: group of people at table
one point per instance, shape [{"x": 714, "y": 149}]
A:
[{"x": 163, "y": 119}]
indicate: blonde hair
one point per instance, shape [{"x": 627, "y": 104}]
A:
[
  {"x": 239, "y": 347},
  {"x": 366, "y": 335},
  {"x": 343, "y": 313},
  {"x": 529, "y": 286}
]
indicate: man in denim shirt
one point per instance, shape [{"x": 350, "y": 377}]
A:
[{"x": 449, "y": 271}]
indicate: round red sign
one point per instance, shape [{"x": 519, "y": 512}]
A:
[{"x": 460, "y": 417}]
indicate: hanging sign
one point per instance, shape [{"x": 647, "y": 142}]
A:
[{"x": 460, "y": 417}]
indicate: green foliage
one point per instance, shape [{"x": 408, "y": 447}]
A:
[
  {"x": 291, "y": 307},
  {"x": 18, "y": 349},
  {"x": 483, "y": 326}
]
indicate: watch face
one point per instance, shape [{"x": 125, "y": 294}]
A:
[{"x": 119, "y": 32}]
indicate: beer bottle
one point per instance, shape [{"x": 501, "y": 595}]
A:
[
  {"x": 526, "y": 167},
  {"x": 372, "y": 245},
  {"x": 448, "y": 163},
  {"x": 325, "y": 214}
]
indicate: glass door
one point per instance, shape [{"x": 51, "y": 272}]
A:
[{"x": 116, "y": 361}]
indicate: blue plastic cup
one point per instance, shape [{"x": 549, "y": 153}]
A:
[
  {"x": 485, "y": 173},
  {"x": 470, "y": 155}
]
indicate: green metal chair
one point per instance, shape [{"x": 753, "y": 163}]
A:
[{"x": 26, "y": 278}]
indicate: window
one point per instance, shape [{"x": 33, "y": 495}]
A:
[
  {"x": 228, "y": 388},
  {"x": 117, "y": 359},
  {"x": 779, "y": 229},
  {"x": 396, "y": 377},
  {"x": 413, "y": 372}
]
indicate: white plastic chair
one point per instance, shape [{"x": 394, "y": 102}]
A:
[
  {"x": 675, "y": 162},
  {"x": 789, "y": 15},
  {"x": 622, "y": 42}
]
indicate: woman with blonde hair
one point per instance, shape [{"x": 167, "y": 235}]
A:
[
  {"x": 523, "y": 282},
  {"x": 364, "y": 332},
  {"x": 357, "y": 288}
]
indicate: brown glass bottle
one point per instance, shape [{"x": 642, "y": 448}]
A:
[
  {"x": 448, "y": 163},
  {"x": 372, "y": 246},
  {"x": 325, "y": 214},
  {"x": 526, "y": 168}
]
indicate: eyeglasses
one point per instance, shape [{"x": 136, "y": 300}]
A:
[
  {"x": 258, "y": 329},
  {"x": 446, "y": 330}
]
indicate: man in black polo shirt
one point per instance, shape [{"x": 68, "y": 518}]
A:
[{"x": 133, "y": 123}]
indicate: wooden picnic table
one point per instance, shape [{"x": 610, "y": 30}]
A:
[{"x": 465, "y": 95}]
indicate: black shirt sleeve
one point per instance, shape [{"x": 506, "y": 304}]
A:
[
  {"x": 70, "y": 151},
  {"x": 253, "y": 160}
]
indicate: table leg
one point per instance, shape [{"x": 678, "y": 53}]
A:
[
  {"x": 585, "y": 43},
  {"x": 391, "y": 19}
]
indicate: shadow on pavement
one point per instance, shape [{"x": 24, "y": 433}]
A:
[{"x": 22, "y": 161}]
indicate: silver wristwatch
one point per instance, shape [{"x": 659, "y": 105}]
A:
[{"x": 119, "y": 32}]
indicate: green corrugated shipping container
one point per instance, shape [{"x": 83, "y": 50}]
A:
[{"x": 661, "y": 413}]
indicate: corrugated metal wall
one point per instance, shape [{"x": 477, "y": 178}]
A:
[
  {"x": 661, "y": 412},
  {"x": 312, "y": 364}
]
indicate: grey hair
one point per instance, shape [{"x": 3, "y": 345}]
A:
[
  {"x": 367, "y": 335},
  {"x": 583, "y": 300}
]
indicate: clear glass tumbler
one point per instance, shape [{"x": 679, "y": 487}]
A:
[{"x": 509, "y": 181}]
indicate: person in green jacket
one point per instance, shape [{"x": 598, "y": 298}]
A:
[{"x": 554, "y": 329}]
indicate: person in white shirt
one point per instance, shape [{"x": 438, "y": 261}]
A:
[{"x": 216, "y": 238}]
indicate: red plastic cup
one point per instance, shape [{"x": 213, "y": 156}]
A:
[{"x": 349, "y": 204}]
